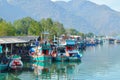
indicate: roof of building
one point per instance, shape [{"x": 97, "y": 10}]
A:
[{"x": 16, "y": 39}]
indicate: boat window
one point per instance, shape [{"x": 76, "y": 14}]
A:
[{"x": 61, "y": 50}]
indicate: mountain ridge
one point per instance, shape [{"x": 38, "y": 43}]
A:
[{"x": 83, "y": 15}]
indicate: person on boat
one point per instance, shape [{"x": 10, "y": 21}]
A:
[
  {"x": 39, "y": 50},
  {"x": 54, "y": 52},
  {"x": 67, "y": 53}
]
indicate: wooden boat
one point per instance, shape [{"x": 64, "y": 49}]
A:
[
  {"x": 16, "y": 62},
  {"x": 41, "y": 53},
  {"x": 72, "y": 52},
  {"x": 69, "y": 53},
  {"x": 59, "y": 55}
]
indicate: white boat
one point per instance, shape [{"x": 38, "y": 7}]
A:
[{"x": 16, "y": 62}]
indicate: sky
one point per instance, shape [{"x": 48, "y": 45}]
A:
[{"x": 114, "y": 4}]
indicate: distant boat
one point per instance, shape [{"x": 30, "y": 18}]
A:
[
  {"x": 81, "y": 45},
  {"x": 117, "y": 40},
  {"x": 90, "y": 42},
  {"x": 111, "y": 41}
]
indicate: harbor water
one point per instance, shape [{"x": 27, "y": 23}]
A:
[{"x": 100, "y": 62}]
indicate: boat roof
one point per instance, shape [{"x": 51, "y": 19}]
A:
[{"x": 70, "y": 42}]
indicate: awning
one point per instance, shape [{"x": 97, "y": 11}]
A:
[{"x": 11, "y": 40}]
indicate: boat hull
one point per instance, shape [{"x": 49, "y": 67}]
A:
[
  {"x": 41, "y": 59},
  {"x": 61, "y": 58},
  {"x": 16, "y": 64},
  {"x": 3, "y": 67},
  {"x": 74, "y": 59}
]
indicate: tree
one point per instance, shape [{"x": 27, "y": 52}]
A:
[
  {"x": 90, "y": 35},
  {"x": 6, "y": 29},
  {"x": 35, "y": 28},
  {"x": 59, "y": 28},
  {"x": 23, "y": 25},
  {"x": 81, "y": 34},
  {"x": 73, "y": 31}
]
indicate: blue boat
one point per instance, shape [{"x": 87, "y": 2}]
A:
[{"x": 81, "y": 45}]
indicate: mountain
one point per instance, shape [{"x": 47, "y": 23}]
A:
[{"x": 82, "y": 15}]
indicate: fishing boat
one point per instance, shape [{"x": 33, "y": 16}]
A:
[
  {"x": 72, "y": 52},
  {"x": 117, "y": 40},
  {"x": 111, "y": 40},
  {"x": 16, "y": 62},
  {"x": 41, "y": 53},
  {"x": 90, "y": 42},
  {"x": 59, "y": 54},
  {"x": 81, "y": 45}
]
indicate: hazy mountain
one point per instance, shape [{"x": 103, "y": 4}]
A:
[{"x": 82, "y": 15}]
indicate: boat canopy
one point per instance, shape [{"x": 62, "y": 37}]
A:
[
  {"x": 70, "y": 42},
  {"x": 46, "y": 47}
]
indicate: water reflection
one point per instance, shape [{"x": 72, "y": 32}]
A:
[
  {"x": 9, "y": 76},
  {"x": 55, "y": 71}
]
